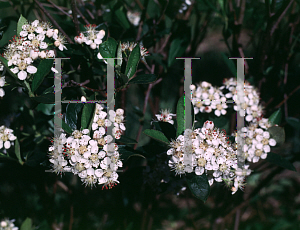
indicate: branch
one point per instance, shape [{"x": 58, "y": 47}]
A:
[{"x": 75, "y": 19}]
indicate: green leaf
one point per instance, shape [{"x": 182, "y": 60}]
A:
[
  {"x": 21, "y": 22},
  {"x": 199, "y": 186},
  {"x": 66, "y": 127},
  {"x": 42, "y": 71},
  {"x": 143, "y": 79},
  {"x": 133, "y": 62},
  {"x": 180, "y": 116},
  {"x": 166, "y": 128},
  {"x": 275, "y": 118},
  {"x": 277, "y": 133},
  {"x": 48, "y": 98},
  {"x": 108, "y": 48},
  {"x": 122, "y": 19},
  {"x": 127, "y": 152},
  {"x": 45, "y": 108},
  {"x": 87, "y": 115},
  {"x": 230, "y": 64},
  {"x": 220, "y": 122},
  {"x": 294, "y": 122},
  {"x": 17, "y": 152},
  {"x": 72, "y": 113},
  {"x": 177, "y": 49},
  {"x": 127, "y": 140},
  {"x": 27, "y": 224},
  {"x": 119, "y": 55},
  {"x": 157, "y": 135},
  {"x": 280, "y": 161}
]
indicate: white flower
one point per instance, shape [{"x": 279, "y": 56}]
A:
[{"x": 6, "y": 137}]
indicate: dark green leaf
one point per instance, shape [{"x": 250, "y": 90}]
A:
[
  {"x": 220, "y": 122},
  {"x": 180, "y": 116},
  {"x": 17, "y": 152},
  {"x": 127, "y": 140},
  {"x": 277, "y": 133},
  {"x": 177, "y": 49},
  {"x": 230, "y": 64},
  {"x": 143, "y": 79},
  {"x": 108, "y": 48},
  {"x": 27, "y": 224},
  {"x": 122, "y": 19},
  {"x": 157, "y": 135},
  {"x": 199, "y": 186},
  {"x": 42, "y": 70},
  {"x": 133, "y": 62},
  {"x": 88, "y": 113},
  {"x": 48, "y": 98},
  {"x": 294, "y": 122},
  {"x": 275, "y": 118},
  {"x": 21, "y": 22},
  {"x": 66, "y": 127},
  {"x": 4, "y": 5},
  {"x": 127, "y": 152},
  {"x": 166, "y": 128},
  {"x": 72, "y": 113},
  {"x": 45, "y": 108},
  {"x": 280, "y": 161}
]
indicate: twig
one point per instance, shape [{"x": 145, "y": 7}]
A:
[
  {"x": 153, "y": 27},
  {"x": 60, "y": 9},
  {"x": 82, "y": 16},
  {"x": 53, "y": 21},
  {"x": 75, "y": 19},
  {"x": 285, "y": 99},
  {"x": 71, "y": 217},
  {"x": 280, "y": 17},
  {"x": 237, "y": 219}
]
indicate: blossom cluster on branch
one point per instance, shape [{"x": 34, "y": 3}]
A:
[{"x": 93, "y": 157}]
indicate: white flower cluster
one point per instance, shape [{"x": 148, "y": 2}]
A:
[
  {"x": 247, "y": 104},
  {"x": 207, "y": 98},
  {"x": 2, "y": 82},
  {"x": 94, "y": 158},
  {"x": 91, "y": 36},
  {"x": 204, "y": 150},
  {"x": 257, "y": 141},
  {"x": 7, "y": 224},
  {"x": 6, "y": 137},
  {"x": 32, "y": 44},
  {"x": 165, "y": 116}
]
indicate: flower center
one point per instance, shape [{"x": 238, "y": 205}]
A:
[
  {"x": 201, "y": 162},
  {"x": 4, "y": 137},
  {"x": 101, "y": 122},
  {"x": 101, "y": 141},
  {"x": 35, "y": 42},
  {"x": 22, "y": 65},
  {"x": 82, "y": 149},
  {"x": 265, "y": 141},
  {"x": 258, "y": 152},
  {"x": 79, "y": 167},
  {"x": 94, "y": 157}
]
